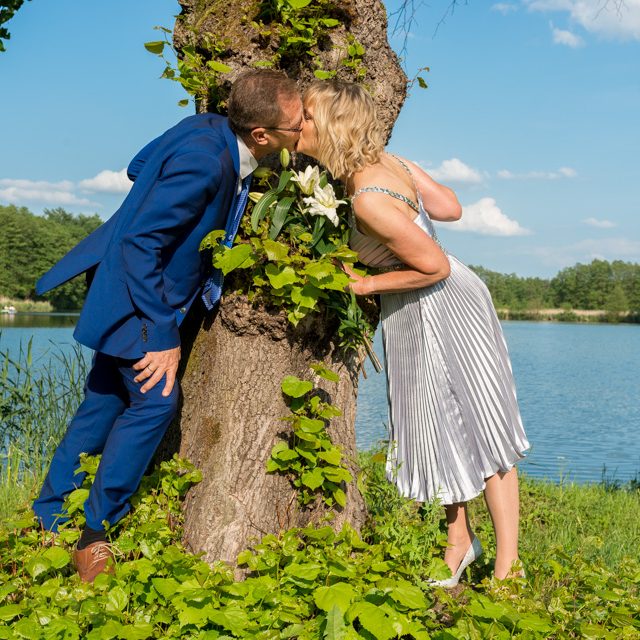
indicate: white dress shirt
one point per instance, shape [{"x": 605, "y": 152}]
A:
[{"x": 248, "y": 164}]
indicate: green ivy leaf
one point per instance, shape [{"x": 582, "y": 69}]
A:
[
  {"x": 156, "y": 47},
  {"x": 294, "y": 387},
  {"x": 280, "y": 276},
  {"x": 324, "y": 372},
  {"x": 408, "y": 596},
  {"x": 339, "y": 595},
  {"x": 313, "y": 479},
  {"x": 321, "y": 74},
  {"x": 218, "y": 67},
  {"x": 335, "y": 628},
  {"x": 333, "y": 456},
  {"x": 57, "y": 556},
  {"x": 308, "y": 571},
  {"x": 137, "y": 631},
  {"x": 37, "y": 566},
  {"x": 275, "y": 251},
  {"x": 10, "y": 611},
  {"x": 237, "y": 257},
  {"x": 117, "y": 599},
  {"x": 374, "y": 620},
  {"x": 309, "y": 425},
  {"x": 340, "y": 497}
]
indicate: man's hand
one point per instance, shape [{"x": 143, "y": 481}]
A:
[{"x": 155, "y": 365}]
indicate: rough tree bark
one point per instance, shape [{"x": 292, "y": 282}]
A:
[{"x": 232, "y": 403}]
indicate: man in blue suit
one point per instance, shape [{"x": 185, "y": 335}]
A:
[{"x": 146, "y": 271}]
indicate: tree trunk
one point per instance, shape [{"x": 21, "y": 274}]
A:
[
  {"x": 232, "y": 401},
  {"x": 230, "y": 420}
]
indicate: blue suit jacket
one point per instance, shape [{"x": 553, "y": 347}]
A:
[{"x": 148, "y": 269}]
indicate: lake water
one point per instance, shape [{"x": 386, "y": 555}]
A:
[{"x": 578, "y": 388}]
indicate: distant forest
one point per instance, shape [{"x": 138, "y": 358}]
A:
[{"x": 30, "y": 244}]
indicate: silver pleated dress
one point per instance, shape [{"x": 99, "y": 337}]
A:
[{"x": 453, "y": 415}]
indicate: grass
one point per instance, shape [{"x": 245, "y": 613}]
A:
[
  {"x": 35, "y": 408},
  {"x": 39, "y": 306}
]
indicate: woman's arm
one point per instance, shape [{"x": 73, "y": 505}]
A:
[
  {"x": 384, "y": 219},
  {"x": 440, "y": 202}
]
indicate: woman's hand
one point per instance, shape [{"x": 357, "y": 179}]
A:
[{"x": 359, "y": 283}]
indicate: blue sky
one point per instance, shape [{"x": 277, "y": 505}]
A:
[{"x": 531, "y": 116}]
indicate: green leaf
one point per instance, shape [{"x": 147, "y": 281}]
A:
[
  {"x": 313, "y": 479},
  {"x": 340, "y": 497},
  {"x": 333, "y": 456},
  {"x": 303, "y": 571},
  {"x": 294, "y": 387},
  {"x": 306, "y": 297},
  {"x": 280, "y": 216},
  {"x": 261, "y": 208},
  {"x": 10, "y": 611},
  {"x": 237, "y": 257},
  {"x": 156, "y": 47},
  {"x": 136, "y": 631},
  {"x": 285, "y": 177},
  {"x": 324, "y": 372},
  {"x": 338, "y": 595},
  {"x": 57, "y": 556},
  {"x": 219, "y": 67},
  {"x": 322, "y": 74},
  {"x": 320, "y": 269},
  {"x": 408, "y": 596},
  {"x": 117, "y": 599},
  {"x": 275, "y": 251},
  {"x": 280, "y": 276},
  {"x": 309, "y": 425},
  {"x": 422, "y": 82},
  {"x": 184, "y": 102},
  {"x": 166, "y": 587},
  {"x": 37, "y": 566},
  {"x": 374, "y": 620},
  {"x": 335, "y": 628}
]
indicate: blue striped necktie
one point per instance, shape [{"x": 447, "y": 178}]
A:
[{"x": 212, "y": 289}]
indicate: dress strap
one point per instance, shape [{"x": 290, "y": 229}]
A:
[
  {"x": 389, "y": 192},
  {"x": 405, "y": 166}
]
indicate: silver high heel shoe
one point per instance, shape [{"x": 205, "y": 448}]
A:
[{"x": 473, "y": 553}]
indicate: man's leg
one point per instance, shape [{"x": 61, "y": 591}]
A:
[
  {"x": 105, "y": 399},
  {"x": 130, "y": 445}
]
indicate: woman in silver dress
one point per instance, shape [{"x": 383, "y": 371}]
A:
[{"x": 455, "y": 427}]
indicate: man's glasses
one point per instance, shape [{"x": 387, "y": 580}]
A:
[{"x": 292, "y": 129}]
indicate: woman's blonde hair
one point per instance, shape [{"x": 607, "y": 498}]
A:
[{"x": 348, "y": 132}]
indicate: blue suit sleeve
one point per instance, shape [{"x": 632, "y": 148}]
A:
[
  {"x": 175, "y": 203},
  {"x": 138, "y": 162}
]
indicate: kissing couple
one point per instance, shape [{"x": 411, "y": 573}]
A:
[{"x": 455, "y": 427}]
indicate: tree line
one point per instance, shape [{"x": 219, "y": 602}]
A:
[
  {"x": 600, "y": 285},
  {"x": 30, "y": 244}
]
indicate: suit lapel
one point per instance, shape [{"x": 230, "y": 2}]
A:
[{"x": 232, "y": 143}]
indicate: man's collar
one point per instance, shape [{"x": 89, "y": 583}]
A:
[{"x": 248, "y": 164}]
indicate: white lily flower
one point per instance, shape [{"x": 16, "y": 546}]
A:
[
  {"x": 307, "y": 179},
  {"x": 324, "y": 203}
]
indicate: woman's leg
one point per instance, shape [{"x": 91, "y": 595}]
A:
[
  {"x": 459, "y": 534},
  {"x": 501, "y": 496}
]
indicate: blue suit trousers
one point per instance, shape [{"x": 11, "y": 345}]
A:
[{"x": 118, "y": 421}]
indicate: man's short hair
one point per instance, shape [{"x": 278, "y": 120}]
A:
[{"x": 254, "y": 100}]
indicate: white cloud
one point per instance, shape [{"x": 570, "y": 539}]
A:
[
  {"x": 614, "y": 19},
  {"x": 567, "y": 38},
  {"x": 562, "y": 172},
  {"x": 107, "y": 182},
  {"x": 504, "y": 8},
  {"x": 486, "y": 218},
  {"x": 65, "y": 192},
  {"x": 600, "y": 224},
  {"x": 52, "y": 194},
  {"x": 587, "y": 250},
  {"x": 455, "y": 170}
]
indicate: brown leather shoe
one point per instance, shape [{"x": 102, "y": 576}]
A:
[{"x": 94, "y": 559}]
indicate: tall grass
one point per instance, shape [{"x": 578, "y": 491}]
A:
[{"x": 36, "y": 402}]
